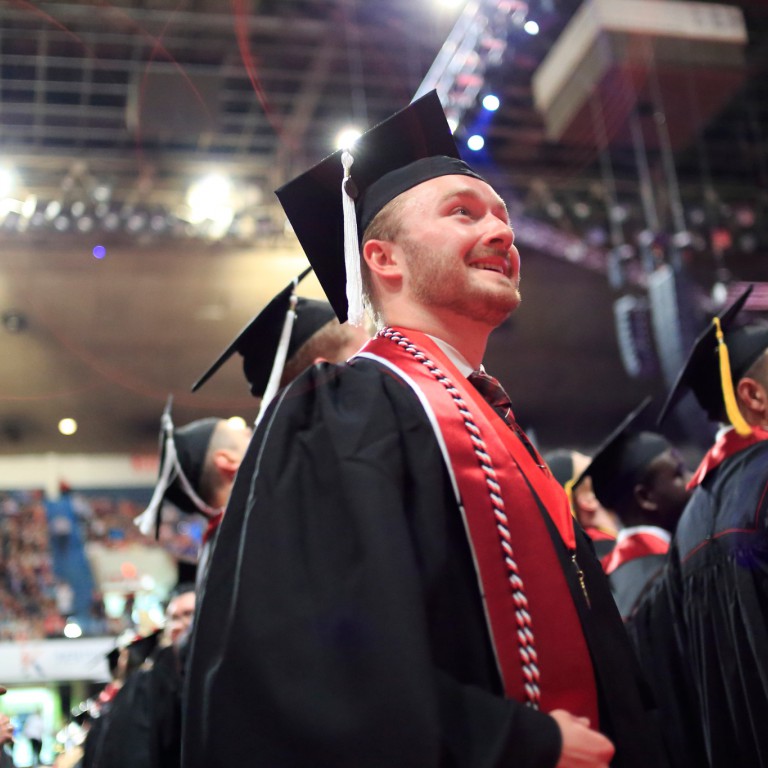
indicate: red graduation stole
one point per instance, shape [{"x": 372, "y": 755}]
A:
[
  {"x": 728, "y": 444},
  {"x": 498, "y": 484},
  {"x": 639, "y": 543}
]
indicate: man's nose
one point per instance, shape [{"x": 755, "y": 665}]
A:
[{"x": 499, "y": 234}]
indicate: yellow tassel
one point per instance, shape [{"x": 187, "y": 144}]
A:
[{"x": 726, "y": 383}]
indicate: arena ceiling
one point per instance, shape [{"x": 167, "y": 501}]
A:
[{"x": 111, "y": 111}]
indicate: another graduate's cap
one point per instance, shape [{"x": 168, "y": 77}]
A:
[
  {"x": 259, "y": 341},
  {"x": 331, "y": 205},
  {"x": 142, "y": 648},
  {"x": 720, "y": 356},
  {"x": 623, "y": 458},
  {"x": 560, "y": 463},
  {"x": 139, "y": 647},
  {"x": 182, "y": 457}
]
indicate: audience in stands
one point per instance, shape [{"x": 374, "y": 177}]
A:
[{"x": 34, "y": 602}]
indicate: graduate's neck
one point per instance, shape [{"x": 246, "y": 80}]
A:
[{"x": 466, "y": 336}]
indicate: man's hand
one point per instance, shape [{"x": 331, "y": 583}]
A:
[{"x": 582, "y": 746}]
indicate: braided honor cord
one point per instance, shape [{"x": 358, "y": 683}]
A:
[{"x": 525, "y": 637}]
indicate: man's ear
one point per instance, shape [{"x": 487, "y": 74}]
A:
[
  {"x": 752, "y": 395},
  {"x": 383, "y": 258},
  {"x": 644, "y": 498},
  {"x": 226, "y": 462}
]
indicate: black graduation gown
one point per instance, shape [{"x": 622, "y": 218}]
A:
[
  {"x": 340, "y": 623},
  {"x": 714, "y": 594},
  {"x": 656, "y": 628},
  {"x": 632, "y": 578},
  {"x": 143, "y": 728}
]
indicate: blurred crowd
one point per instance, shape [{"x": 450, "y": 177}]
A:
[{"x": 35, "y": 602}]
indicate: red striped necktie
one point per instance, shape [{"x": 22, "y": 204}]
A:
[{"x": 496, "y": 396}]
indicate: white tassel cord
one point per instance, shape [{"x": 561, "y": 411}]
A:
[
  {"x": 280, "y": 357},
  {"x": 355, "y": 310},
  {"x": 147, "y": 520}
]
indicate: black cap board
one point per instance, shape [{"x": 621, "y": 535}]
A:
[
  {"x": 623, "y": 458},
  {"x": 560, "y": 463},
  {"x": 140, "y": 648},
  {"x": 259, "y": 340},
  {"x": 182, "y": 457},
  {"x": 192, "y": 441},
  {"x": 405, "y": 150},
  {"x": 701, "y": 371}
]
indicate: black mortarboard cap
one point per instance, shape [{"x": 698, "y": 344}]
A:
[
  {"x": 409, "y": 148},
  {"x": 623, "y": 458},
  {"x": 259, "y": 340},
  {"x": 182, "y": 457},
  {"x": 140, "y": 648},
  {"x": 701, "y": 372},
  {"x": 560, "y": 463},
  {"x": 192, "y": 441}
]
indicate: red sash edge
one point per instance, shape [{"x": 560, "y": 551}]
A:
[
  {"x": 495, "y": 596},
  {"x": 727, "y": 444}
]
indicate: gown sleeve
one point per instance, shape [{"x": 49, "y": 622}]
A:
[{"x": 315, "y": 641}]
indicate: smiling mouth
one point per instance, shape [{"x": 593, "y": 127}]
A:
[{"x": 492, "y": 267}]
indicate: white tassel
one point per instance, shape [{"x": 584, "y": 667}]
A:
[
  {"x": 280, "y": 357},
  {"x": 351, "y": 249},
  {"x": 147, "y": 520}
]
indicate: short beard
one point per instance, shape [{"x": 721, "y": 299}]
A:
[{"x": 432, "y": 286}]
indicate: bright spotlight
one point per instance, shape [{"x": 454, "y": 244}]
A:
[
  {"x": 491, "y": 102},
  {"x": 67, "y": 427},
  {"x": 531, "y": 27},
  {"x": 7, "y": 181},
  {"x": 72, "y": 630},
  {"x": 347, "y": 137},
  {"x": 453, "y": 124},
  {"x": 476, "y": 142},
  {"x": 212, "y": 191}
]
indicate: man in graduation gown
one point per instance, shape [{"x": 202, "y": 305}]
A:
[
  {"x": 641, "y": 477},
  {"x": 703, "y": 630},
  {"x": 397, "y": 579},
  {"x": 198, "y": 464}
]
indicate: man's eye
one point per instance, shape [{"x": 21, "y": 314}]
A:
[{"x": 461, "y": 211}]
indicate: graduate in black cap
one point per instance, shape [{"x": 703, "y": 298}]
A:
[
  {"x": 198, "y": 464},
  {"x": 599, "y": 524},
  {"x": 289, "y": 334},
  {"x": 714, "y": 589},
  {"x": 641, "y": 477},
  {"x": 404, "y": 585}
]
